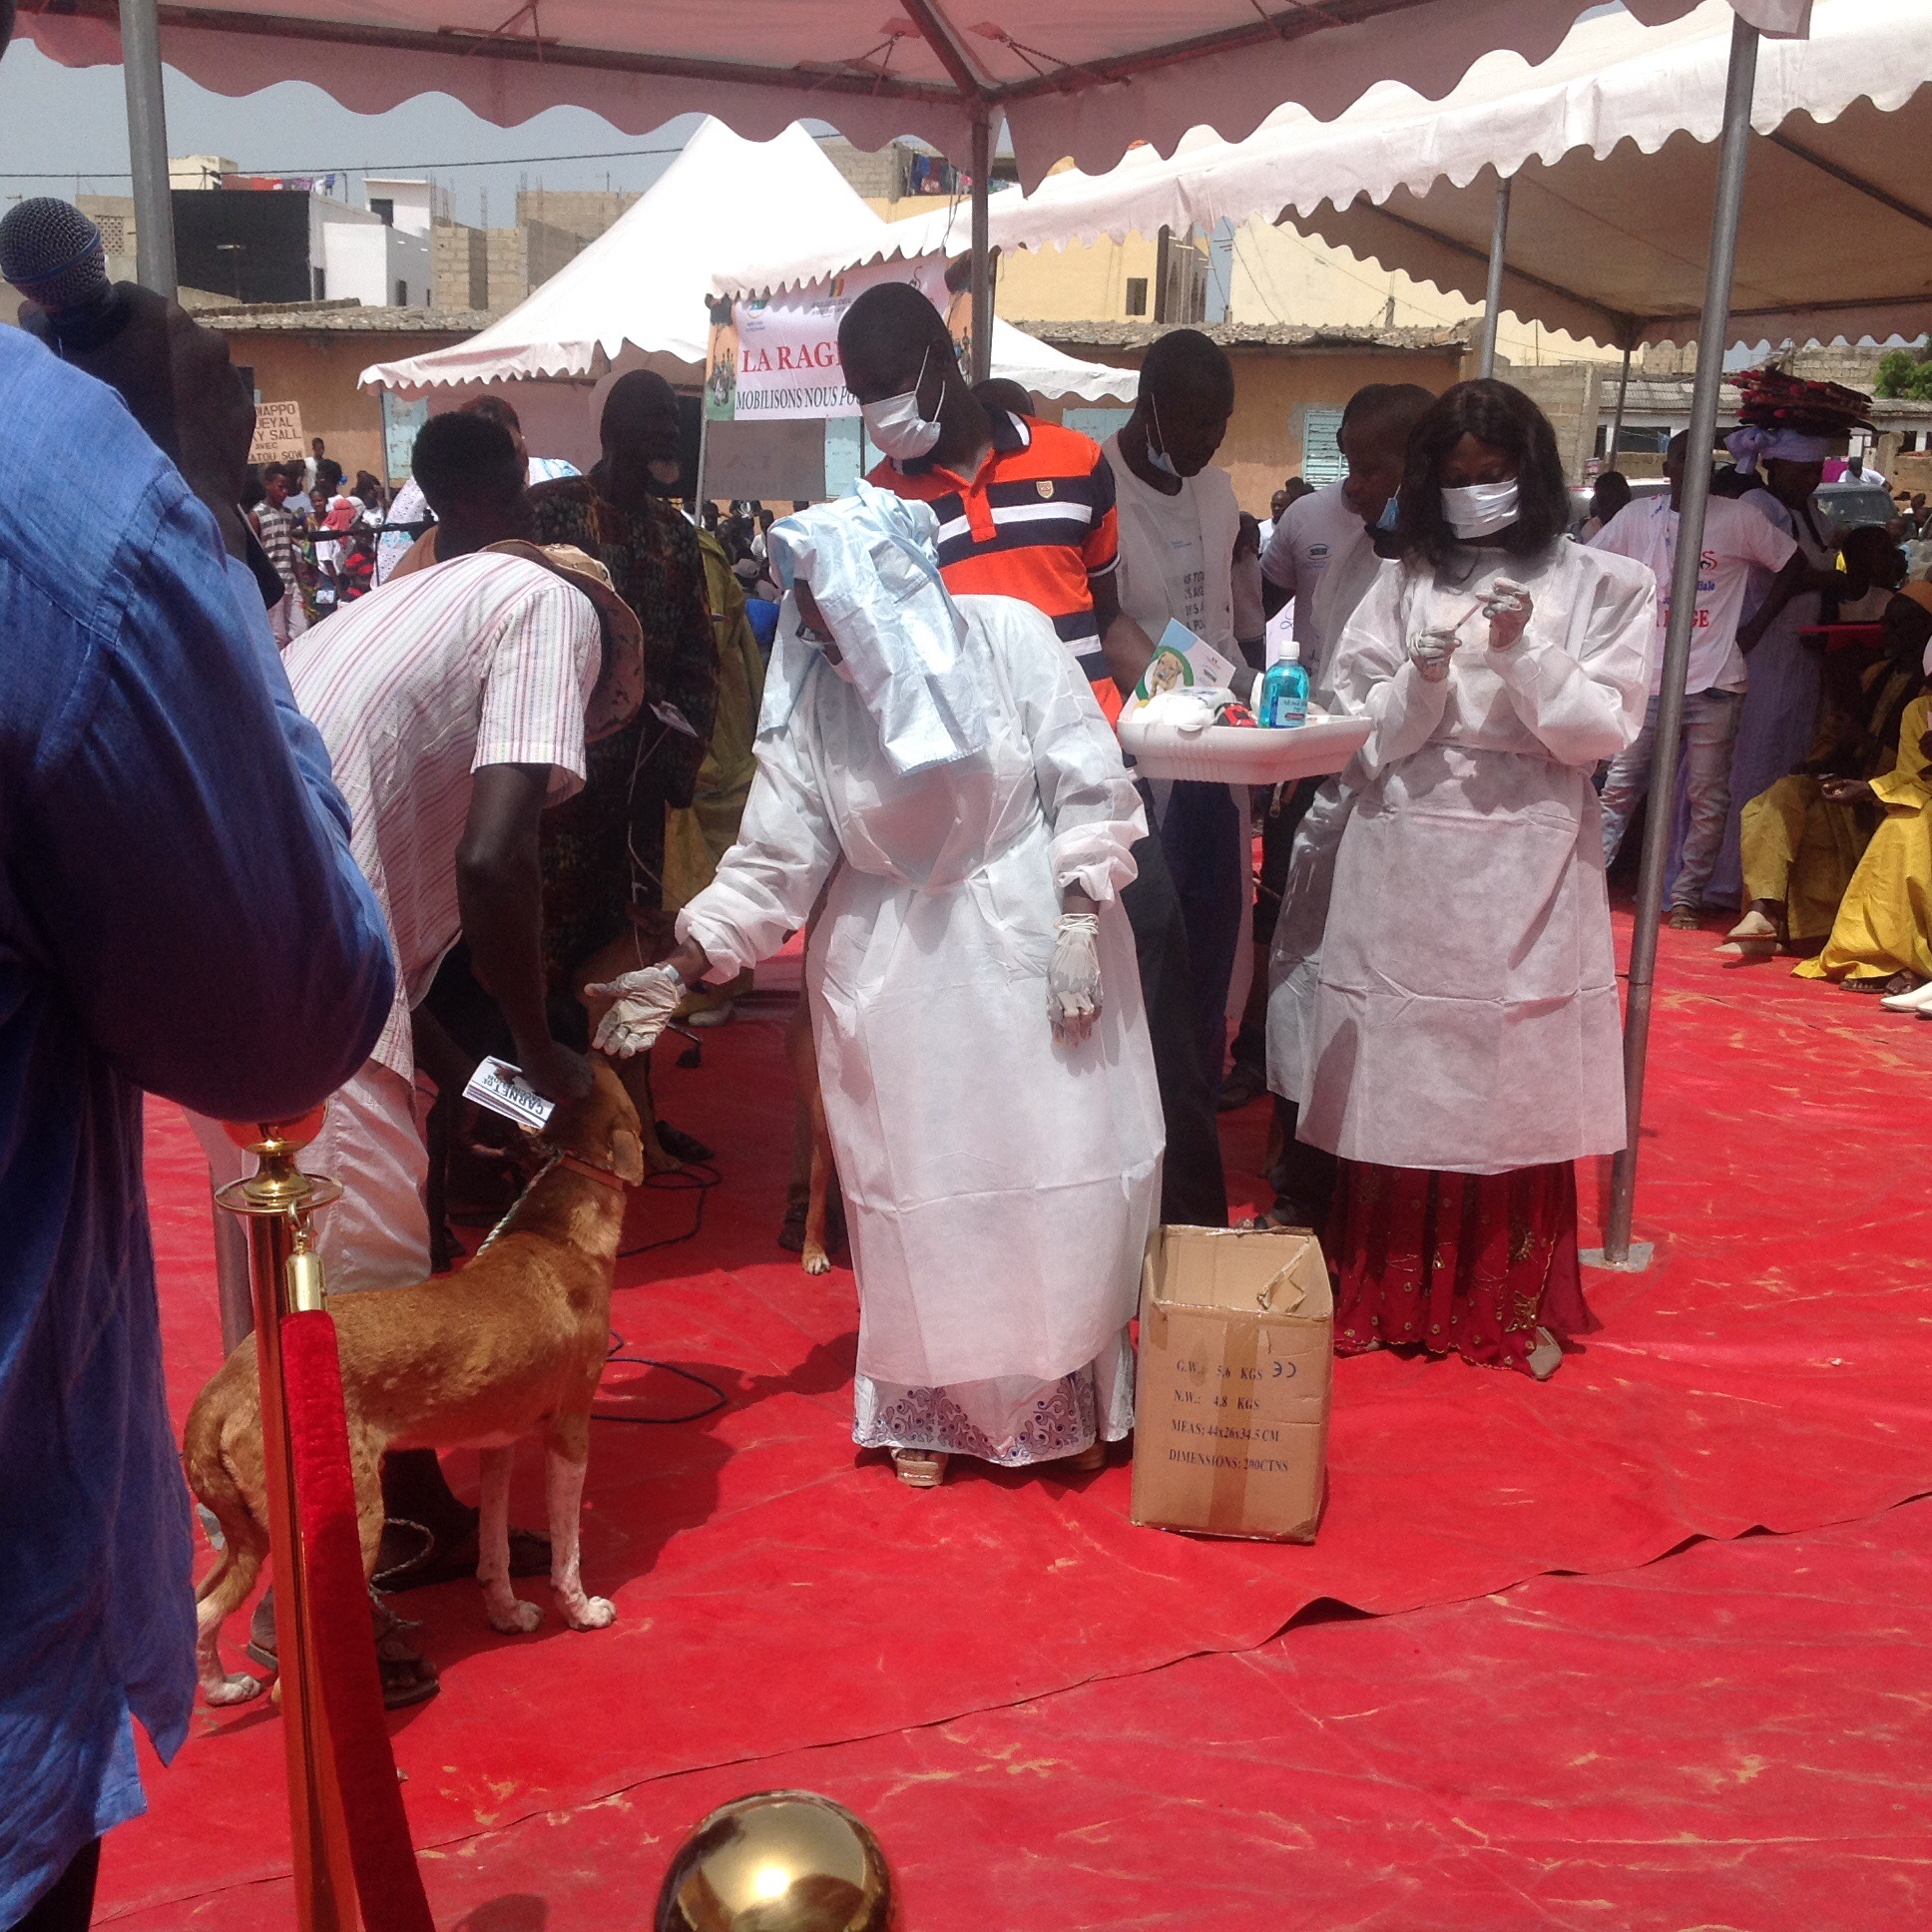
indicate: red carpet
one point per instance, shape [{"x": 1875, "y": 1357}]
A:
[
  {"x": 775, "y": 1594},
  {"x": 1732, "y": 1739}
]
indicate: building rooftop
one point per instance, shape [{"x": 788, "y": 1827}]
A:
[
  {"x": 349, "y": 317},
  {"x": 1236, "y": 335}
]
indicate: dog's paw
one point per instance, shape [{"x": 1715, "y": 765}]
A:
[
  {"x": 238, "y": 1689},
  {"x": 816, "y": 1261},
  {"x": 596, "y": 1613},
  {"x": 519, "y": 1620}
]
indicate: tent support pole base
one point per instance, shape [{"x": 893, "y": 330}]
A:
[{"x": 1635, "y": 1262}]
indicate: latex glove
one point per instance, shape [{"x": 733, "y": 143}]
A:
[
  {"x": 642, "y": 1006},
  {"x": 1073, "y": 979},
  {"x": 1508, "y": 608},
  {"x": 1431, "y": 652}
]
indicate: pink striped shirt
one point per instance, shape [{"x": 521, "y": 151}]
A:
[{"x": 485, "y": 659}]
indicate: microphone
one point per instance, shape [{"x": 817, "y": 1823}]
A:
[{"x": 52, "y": 253}]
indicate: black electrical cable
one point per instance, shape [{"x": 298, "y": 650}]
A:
[
  {"x": 720, "y": 1399},
  {"x": 694, "y": 1177}
]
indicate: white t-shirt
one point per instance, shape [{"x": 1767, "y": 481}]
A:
[
  {"x": 1178, "y": 553},
  {"x": 1306, "y": 533},
  {"x": 1736, "y": 540}
]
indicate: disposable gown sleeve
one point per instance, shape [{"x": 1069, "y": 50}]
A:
[
  {"x": 1372, "y": 678},
  {"x": 1089, "y": 803},
  {"x": 767, "y": 883},
  {"x": 1586, "y": 702}
]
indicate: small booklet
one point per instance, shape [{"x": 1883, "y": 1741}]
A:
[
  {"x": 1183, "y": 660},
  {"x": 500, "y": 1086}
]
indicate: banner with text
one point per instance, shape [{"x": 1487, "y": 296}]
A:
[{"x": 776, "y": 359}]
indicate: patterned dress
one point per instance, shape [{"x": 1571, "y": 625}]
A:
[{"x": 603, "y": 850}]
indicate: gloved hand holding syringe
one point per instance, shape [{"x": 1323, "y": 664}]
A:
[{"x": 1508, "y": 607}]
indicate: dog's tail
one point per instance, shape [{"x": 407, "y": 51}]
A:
[{"x": 245, "y": 1539}]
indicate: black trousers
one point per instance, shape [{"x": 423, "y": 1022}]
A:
[
  {"x": 69, "y": 1905},
  {"x": 1194, "y": 1190}
]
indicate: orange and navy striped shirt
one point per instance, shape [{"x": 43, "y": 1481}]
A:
[{"x": 1036, "y": 522}]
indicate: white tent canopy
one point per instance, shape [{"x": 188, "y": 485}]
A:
[
  {"x": 644, "y": 282},
  {"x": 1609, "y": 146},
  {"x": 1085, "y": 78}
]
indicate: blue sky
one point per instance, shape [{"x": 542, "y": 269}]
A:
[{"x": 64, "y": 131}]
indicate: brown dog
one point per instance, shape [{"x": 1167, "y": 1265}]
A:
[{"x": 511, "y": 1346}]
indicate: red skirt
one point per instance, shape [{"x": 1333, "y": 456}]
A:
[{"x": 1474, "y": 1262}]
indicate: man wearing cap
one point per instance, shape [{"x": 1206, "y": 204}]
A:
[{"x": 456, "y": 703}]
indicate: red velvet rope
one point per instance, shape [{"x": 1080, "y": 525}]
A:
[{"x": 387, "y": 1882}]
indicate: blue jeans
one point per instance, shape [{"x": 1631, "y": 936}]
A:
[{"x": 1710, "y": 730}]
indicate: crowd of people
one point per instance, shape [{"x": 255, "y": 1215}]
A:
[{"x": 533, "y": 762}]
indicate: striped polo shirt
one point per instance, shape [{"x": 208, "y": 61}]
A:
[{"x": 1036, "y": 522}]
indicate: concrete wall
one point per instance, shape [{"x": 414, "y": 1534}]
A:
[
  {"x": 1076, "y": 285},
  {"x": 1574, "y": 396},
  {"x": 459, "y": 266},
  {"x": 524, "y": 258},
  {"x": 317, "y": 370},
  {"x": 369, "y": 262},
  {"x": 584, "y": 214}
]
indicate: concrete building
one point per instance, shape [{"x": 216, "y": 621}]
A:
[{"x": 311, "y": 354}]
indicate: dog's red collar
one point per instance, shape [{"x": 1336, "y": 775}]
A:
[{"x": 590, "y": 1169}]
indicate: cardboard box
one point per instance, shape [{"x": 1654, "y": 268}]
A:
[{"x": 1231, "y": 1413}]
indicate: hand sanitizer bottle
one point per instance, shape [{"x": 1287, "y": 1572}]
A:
[{"x": 1285, "y": 689}]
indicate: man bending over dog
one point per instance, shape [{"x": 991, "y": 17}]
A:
[{"x": 455, "y": 702}]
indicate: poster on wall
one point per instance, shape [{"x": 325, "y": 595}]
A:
[
  {"x": 400, "y": 422},
  {"x": 772, "y": 359},
  {"x": 278, "y": 433}
]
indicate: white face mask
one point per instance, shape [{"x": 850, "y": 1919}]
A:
[
  {"x": 895, "y": 424},
  {"x": 1481, "y": 509}
]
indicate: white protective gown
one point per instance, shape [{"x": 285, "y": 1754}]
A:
[
  {"x": 1467, "y": 1020},
  {"x": 999, "y": 1188}
]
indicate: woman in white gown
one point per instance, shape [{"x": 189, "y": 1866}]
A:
[
  {"x": 1465, "y": 1046},
  {"x": 942, "y": 763}
]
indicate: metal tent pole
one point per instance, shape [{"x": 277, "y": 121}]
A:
[
  {"x": 982, "y": 281},
  {"x": 153, "y": 213},
  {"x": 1617, "y": 420},
  {"x": 1713, "y": 333},
  {"x": 1493, "y": 299}
]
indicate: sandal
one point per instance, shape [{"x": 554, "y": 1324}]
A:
[
  {"x": 920, "y": 1468},
  {"x": 1093, "y": 1457},
  {"x": 450, "y": 1561},
  {"x": 408, "y": 1676},
  {"x": 1545, "y": 1357}
]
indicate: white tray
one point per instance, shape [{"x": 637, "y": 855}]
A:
[{"x": 1233, "y": 755}]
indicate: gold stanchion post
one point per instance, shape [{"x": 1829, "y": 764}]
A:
[{"x": 286, "y": 1277}]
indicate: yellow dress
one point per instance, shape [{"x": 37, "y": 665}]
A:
[
  {"x": 696, "y": 838},
  {"x": 1884, "y": 925}
]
